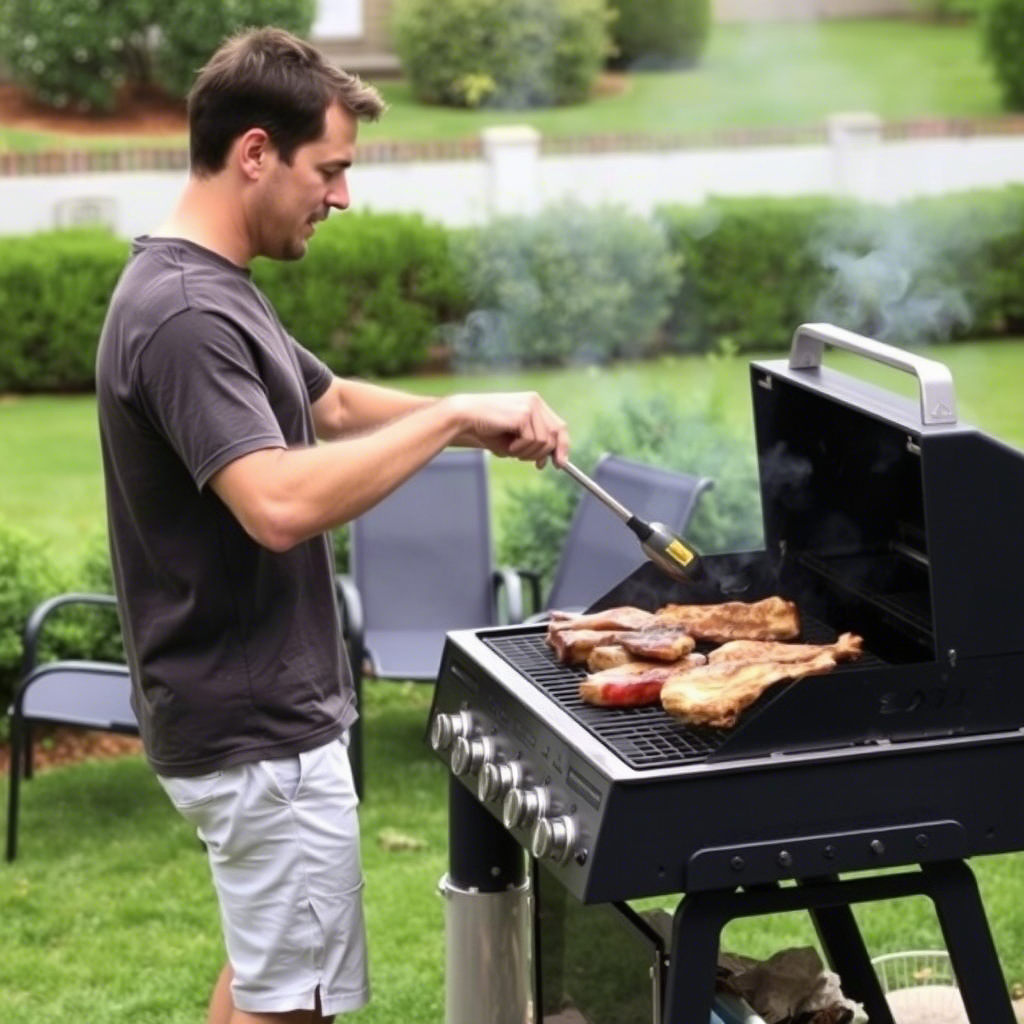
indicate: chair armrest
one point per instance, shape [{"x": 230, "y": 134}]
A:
[
  {"x": 351, "y": 605},
  {"x": 532, "y": 577},
  {"x": 42, "y": 611},
  {"x": 508, "y": 580}
]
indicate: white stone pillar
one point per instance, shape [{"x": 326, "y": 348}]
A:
[
  {"x": 512, "y": 161},
  {"x": 855, "y": 140}
]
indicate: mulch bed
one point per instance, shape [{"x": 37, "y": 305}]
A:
[{"x": 61, "y": 746}]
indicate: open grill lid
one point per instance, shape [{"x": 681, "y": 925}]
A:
[{"x": 897, "y": 515}]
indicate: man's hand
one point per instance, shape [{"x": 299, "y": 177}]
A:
[{"x": 520, "y": 425}]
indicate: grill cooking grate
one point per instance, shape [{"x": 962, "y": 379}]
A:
[{"x": 645, "y": 738}]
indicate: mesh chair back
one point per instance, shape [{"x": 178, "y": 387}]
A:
[
  {"x": 600, "y": 551},
  {"x": 422, "y": 562}
]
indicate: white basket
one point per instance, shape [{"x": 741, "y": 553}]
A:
[{"x": 921, "y": 987}]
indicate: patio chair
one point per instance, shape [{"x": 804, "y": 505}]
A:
[
  {"x": 421, "y": 564},
  {"x": 599, "y": 551},
  {"x": 87, "y": 694}
]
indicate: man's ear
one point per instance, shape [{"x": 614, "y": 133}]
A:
[{"x": 253, "y": 149}]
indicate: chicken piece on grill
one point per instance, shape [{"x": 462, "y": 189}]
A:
[
  {"x": 633, "y": 684},
  {"x": 611, "y": 618},
  {"x": 848, "y": 647},
  {"x": 771, "y": 619},
  {"x": 573, "y": 646},
  {"x": 608, "y": 656},
  {"x": 715, "y": 694}
]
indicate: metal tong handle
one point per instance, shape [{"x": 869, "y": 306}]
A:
[
  {"x": 938, "y": 401},
  {"x": 598, "y": 492}
]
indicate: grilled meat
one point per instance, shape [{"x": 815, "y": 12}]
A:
[
  {"x": 573, "y": 646},
  {"x": 632, "y": 684},
  {"x": 607, "y": 656},
  {"x": 658, "y": 644},
  {"x": 715, "y": 694},
  {"x": 771, "y": 619},
  {"x": 612, "y": 618},
  {"x": 848, "y": 647}
]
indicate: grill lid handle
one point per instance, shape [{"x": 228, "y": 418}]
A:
[{"x": 938, "y": 401}]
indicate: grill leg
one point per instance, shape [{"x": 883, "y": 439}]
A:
[
  {"x": 487, "y": 976},
  {"x": 848, "y": 956},
  {"x": 696, "y": 934},
  {"x": 953, "y": 889}
]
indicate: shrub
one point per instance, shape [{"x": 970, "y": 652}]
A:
[
  {"x": 371, "y": 293},
  {"x": 571, "y": 284},
  {"x": 26, "y": 578},
  {"x": 54, "y": 289},
  {"x": 501, "y": 53},
  {"x": 190, "y": 32},
  {"x": 1003, "y": 34},
  {"x": 927, "y": 270},
  {"x": 682, "y": 431},
  {"x": 79, "y": 54},
  {"x": 75, "y": 54},
  {"x": 659, "y": 33}
]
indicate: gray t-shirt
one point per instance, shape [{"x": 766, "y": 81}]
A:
[{"x": 234, "y": 650}]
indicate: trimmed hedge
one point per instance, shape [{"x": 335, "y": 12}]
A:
[
  {"x": 371, "y": 295},
  {"x": 501, "y": 53},
  {"x": 930, "y": 269},
  {"x": 570, "y": 285},
  {"x": 657, "y": 34},
  {"x": 54, "y": 291},
  {"x": 385, "y": 294},
  {"x": 1003, "y": 36}
]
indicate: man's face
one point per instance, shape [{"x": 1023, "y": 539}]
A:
[{"x": 294, "y": 198}]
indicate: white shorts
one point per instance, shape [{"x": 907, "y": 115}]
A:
[{"x": 283, "y": 842}]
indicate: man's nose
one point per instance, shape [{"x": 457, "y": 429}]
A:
[{"x": 337, "y": 197}]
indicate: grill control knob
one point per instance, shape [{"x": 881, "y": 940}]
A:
[
  {"x": 554, "y": 838},
  {"x": 446, "y": 729},
  {"x": 522, "y": 807},
  {"x": 468, "y": 755},
  {"x": 496, "y": 780}
]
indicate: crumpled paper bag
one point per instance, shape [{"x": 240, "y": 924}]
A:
[{"x": 792, "y": 986}]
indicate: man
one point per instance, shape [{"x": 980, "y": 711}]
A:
[{"x": 218, "y": 501}]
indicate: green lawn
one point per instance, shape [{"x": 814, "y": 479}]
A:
[
  {"x": 108, "y": 916},
  {"x": 50, "y": 451},
  {"x": 752, "y": 76}
]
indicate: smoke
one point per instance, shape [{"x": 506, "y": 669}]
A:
[{"x": 891, "y": 279}]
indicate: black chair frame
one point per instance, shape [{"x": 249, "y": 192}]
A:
[{"x": 33, "y": 673}]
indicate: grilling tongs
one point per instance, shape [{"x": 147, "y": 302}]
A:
[{"x": 665, "y": 549}]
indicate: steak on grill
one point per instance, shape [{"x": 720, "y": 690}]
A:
[
  {"x": 715, "y": 694},
  {"x": 848, "y": 647},
  {"x": 770, "y": 619},
  {"x": 573, "y": 646},
  {"x": 632, "y": 684}
]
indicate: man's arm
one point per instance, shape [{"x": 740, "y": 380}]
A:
[
  {"x": 285, "y": 496},
  {"x": 348, "y": 407}
]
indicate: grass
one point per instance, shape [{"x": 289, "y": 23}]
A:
[
  {"x": 49, "y": 446},
  {"x": 752, "y": 76},
  {"x": 109, "y": 917}
]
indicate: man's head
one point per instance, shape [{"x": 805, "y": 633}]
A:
[
  {"x": 267, "y": 78},
  {"x": 270, "y": 110}
]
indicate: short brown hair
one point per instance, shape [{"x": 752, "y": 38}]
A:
[{"x": 268, "y": 78}]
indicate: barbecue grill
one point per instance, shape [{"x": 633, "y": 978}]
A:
[{"x": 882, "y": 516}]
